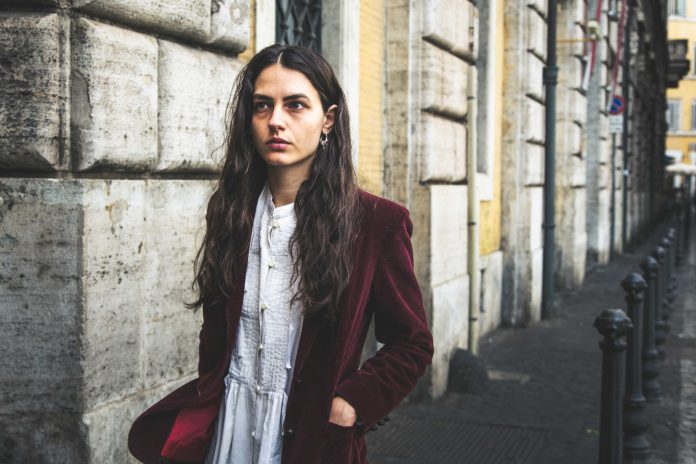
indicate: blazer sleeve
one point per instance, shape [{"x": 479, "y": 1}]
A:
[{"x": 400, "y": 324}]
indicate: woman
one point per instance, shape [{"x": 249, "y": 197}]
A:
[{"x": 295, "y": 263}]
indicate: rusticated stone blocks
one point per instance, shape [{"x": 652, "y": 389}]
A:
[
  {"x": 33, "y": 91},
  {"x": 221, "y": 23},
  {"x": 194, "y": 89},
  {"x": 113, "y": 97}
]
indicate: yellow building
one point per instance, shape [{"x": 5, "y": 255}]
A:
[{"x": 681, "y": 102}]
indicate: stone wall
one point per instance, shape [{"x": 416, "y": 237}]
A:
[
  {"x": 571, "y": 157},
  {"x": 111, "y": 134},
  {"x": 523, "y": 160},
  {"x": 430, "y": 47}
]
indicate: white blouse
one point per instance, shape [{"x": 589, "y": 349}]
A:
[{"x": 249, "y": 425}]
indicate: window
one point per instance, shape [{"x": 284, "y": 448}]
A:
[
  {"x": 298, "y": 22},
  {"x": 673, "y": 113},
  {"x": 693, "y": 115},
  {"x": 676, "y": 7}
]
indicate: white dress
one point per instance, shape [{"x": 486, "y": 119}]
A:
[{"x": 249, "y": 425}]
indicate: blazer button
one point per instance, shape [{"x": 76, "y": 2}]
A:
[
  {"x": 289, "y": 433},
  {"x": 298, "y": 380}
]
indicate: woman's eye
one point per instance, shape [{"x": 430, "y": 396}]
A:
[
  {"x": 260, "y": 106},
  {"x": 296, "y": 105}
]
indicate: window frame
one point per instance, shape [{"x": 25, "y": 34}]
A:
[{"x": 673, "y": 114}]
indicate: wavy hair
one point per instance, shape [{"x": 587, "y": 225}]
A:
[{"x": 326, "y": 205}]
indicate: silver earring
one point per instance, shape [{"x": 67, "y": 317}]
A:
[{"x": 323, "y": 140}]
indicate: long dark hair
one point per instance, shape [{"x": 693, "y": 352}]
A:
[{"x": 326, "y": 205}]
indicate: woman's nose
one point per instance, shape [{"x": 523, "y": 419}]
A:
[{"x": 276, "y": 119}]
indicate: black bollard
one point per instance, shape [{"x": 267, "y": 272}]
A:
[
  {"x": 651, "y": 361},
  {"x": 613, "y": 325},
  {"x": 660, "y": 324},
  {"x": 672, "y": 236},
  {"x": 668, "y": 277},
  {"x": 679, "y": 225},
  {"x": 635, "y": 425}
]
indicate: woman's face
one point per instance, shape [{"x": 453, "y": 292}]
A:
[{"x": 287, "y": 118}]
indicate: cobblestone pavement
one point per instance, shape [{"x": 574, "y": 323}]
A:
[{"x": 547, "y": 378}]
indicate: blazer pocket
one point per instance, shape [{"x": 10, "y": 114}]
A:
[{"x": 338, "y": 444}]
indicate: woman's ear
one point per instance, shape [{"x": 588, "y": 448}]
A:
[{"x": 329, "y": 119}]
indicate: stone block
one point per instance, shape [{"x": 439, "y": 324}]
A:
[
  {"x": 42, "y": 437},
  {"x": 538, "y": 6},
  {"x": 229, "y": 24},
  {"x": 188, "y": 19},
  {"x": 443, "y": 82},
  {"x": 191, "y": 115},
  {"x": 449, "y": 327},
  {"x": 448, "y": 225},
  {"x": 534, "y": 164},
  {"x": 442, "y": 149},
  {"x": 472, "y": 33},
  {"x": 33, "y": 91},
  {"x": 39, "y": 283},
  {"x": 578, "y": 169},
  {"x": 569, "y": 137},
  {"x": 491, "y": 285},
  {"x": 137, "y": 258},
  {"x": 579, "y": 106},
  {"x": 535, "y": 283},
  {"x": 534, "y": 199},
  {"x": 533, "y": 117},
  {"x": 114, "y": 287},
  {"x": 444, "y": 23},
  {"x": 114, "y": 97},
  {"x": 175, "y": 229},
  {"x": 534, "y": 80},
  {"x": 536, "y": 34},
  {"x": 106, "y": 428}
]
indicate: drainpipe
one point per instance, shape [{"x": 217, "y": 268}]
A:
[
  {"x": 550, "y": 81},
  {"x": 473, "y": 215}
]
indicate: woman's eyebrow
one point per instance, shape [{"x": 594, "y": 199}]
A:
[{"x": 259, "y": 96}]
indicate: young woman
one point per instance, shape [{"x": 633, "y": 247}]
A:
[{"x": 295, "y": 263}]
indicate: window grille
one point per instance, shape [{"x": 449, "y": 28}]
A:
[
  {"x": 298, "y": 22},
  {"x": 676, "y": 7},
  {"x": 673, "y": 113}
]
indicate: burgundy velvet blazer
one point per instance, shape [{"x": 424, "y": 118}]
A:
[{"x": 382, "y": 285}]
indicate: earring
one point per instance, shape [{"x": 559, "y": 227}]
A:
[{"x": 323, "y": 140}]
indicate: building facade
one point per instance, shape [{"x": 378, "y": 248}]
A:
[
  {"x": 112, "y": 122},
  {"x": 681, "y": 101}
]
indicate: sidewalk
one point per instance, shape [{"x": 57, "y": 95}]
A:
[{"x": 543, "y": 402}]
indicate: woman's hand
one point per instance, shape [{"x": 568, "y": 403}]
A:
[{"x": 342, "y": 413}]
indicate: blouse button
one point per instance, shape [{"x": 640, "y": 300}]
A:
[
  {"x": 261, "y": 347},
  {"x": 275, "y": 224},
  {"x": 258, "y": 388},
  {"x": 253, "y": 434},
  {"x": 271, "y": 264},
  {"x": 264, "y": 306}
]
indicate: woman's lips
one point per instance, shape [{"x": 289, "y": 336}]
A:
[{"x": 277, "y": 143}]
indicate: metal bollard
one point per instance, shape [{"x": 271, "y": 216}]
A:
[
  {"x": 613, "y": 325},
  {"x": 660, "y": 323},
  {"x": 672, "y": 235},
  {"x": 679, "y": 225},
  {"x": 635, "y": 424},
  {"x": 668, "y": 277},
  {"x": 651, "y": 361}
]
